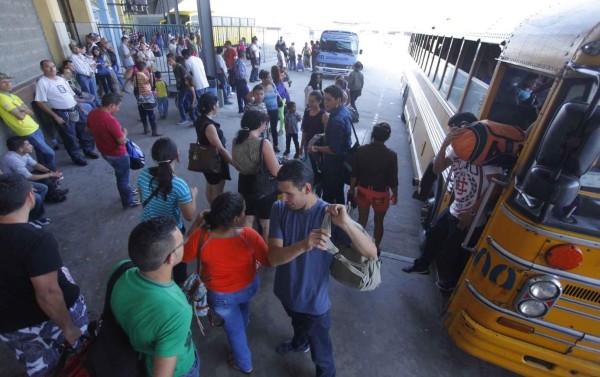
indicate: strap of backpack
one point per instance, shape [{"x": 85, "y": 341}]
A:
[
  {"x": 113, "y": 280},
  {"x": 354, "y": 130}
]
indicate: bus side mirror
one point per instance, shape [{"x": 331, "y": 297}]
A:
[{"x": 567, "y": 151}]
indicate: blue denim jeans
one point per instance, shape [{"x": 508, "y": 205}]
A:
[
  {"x": 74, "y": 135},
  {"x": 235, "y": 309},
  {"x": 163, "y": 105},
  {"x": 241, "y": 90},
  {"x": 41, "y": 189},
  {"x": 38, "y": 211},
  {"x": 180, "y": 104},
  {"x": 88, "y": 85},
  {"x": 313, "y": 330},
  {"x": 121, "y": 166},
  {"x": 43, "y": 152}
]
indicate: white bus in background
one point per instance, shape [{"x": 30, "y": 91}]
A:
[{"x": 338, "y": 51}]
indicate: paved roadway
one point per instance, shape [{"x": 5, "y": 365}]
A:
[{"x": 395, "y": 330}]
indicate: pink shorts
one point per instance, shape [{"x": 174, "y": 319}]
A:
[{"x": 380, "y": 201}]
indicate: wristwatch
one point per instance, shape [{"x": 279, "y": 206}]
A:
[{"x": 472, "y": 212}]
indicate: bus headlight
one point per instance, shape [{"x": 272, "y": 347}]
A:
[
  {"x": 532, "y": 308},
  {"x": 544, "y": 290},
  {"x": 538, "y": 295}
]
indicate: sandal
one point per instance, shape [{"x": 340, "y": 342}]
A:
[{"x": 231, "y": 362}]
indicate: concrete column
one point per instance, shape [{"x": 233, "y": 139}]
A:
[
  {"x": 54, "y": 28},
  {"x": 206, "y": 34}
]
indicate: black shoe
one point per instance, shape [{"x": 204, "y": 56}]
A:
[
  {"x": 416, "y": 269},
  {"x": 93, "y": 155},
  {"x": 134, "y": 203},
  {"x": 156, "y": 134},
  {"x": 286, "y": 347},
  {"x": 445, "y": 287},
  {"x": 276, "y": 149},
  {"x": 290, "y": 83},
  {"x": 296, "y": 155},
  {"x": 80, "y": 162},
  {"x": 62, "y": 192},
  {"x": 43, "y": 221},
  {"x": 286, "y": 152},
  {"x": 58, "y": 199}
]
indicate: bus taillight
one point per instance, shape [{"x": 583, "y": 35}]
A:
[{"x": 564, "y": 257}]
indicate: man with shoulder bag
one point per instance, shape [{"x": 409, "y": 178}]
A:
[{"x": 298, "y": 245}]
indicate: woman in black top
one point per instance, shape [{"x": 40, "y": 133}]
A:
[
  {"x": 374, "y": 175},
  {"x": 209, "y": 133}
]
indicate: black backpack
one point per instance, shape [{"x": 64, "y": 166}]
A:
[{"x": 111, "y": 353}]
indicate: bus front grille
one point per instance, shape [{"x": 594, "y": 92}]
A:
[{"x": 582, "y": 293}]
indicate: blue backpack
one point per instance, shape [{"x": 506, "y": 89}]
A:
[{"x": 137, "y": 159}]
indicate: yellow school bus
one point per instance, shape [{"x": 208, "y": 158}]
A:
[{"x": 529, "y": 297}]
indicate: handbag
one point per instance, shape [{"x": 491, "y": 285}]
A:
[
  {"x": 265, "y": 184},
  {"x": 148, "y": 102},
  {"x": 204, "y": 158},
  {"x": 137, "y": 159},
  {"x": 349, "y": 159},
  {"x": 348, "y": 266}
]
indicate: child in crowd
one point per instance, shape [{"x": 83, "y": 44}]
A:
[
  {"x": 162, "y": 96},
  {"x": 189, "y": 99},
  {"x": 292, "y": 117},
  {"x": 256, "y": 100},
  {"x": 299, "y": 64}
]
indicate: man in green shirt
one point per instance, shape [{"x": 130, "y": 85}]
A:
[
  {"x": 18, "y": 117},
  {"x": 150, "y": 307}
]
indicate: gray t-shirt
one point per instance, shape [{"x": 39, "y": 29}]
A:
[{"x": 14, "y": 163}]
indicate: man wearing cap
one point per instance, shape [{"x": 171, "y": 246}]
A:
[
  {"x": 110, "y": 55},
  {"x": 92, "y": 40},
  {"x": 85, "y": 74},
  {"x": 55, "y": 97},
  {"x": 254, "y": 59},
  {"x": 18, "y": 117}
]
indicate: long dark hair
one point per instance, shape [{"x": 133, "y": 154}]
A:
[
  {"x": 313, "y": 81},
  {"x": 207, "y": 102},
  {"x": 224, "y": 209},
  {"x": 251, "y": 121},
  {"x": 164, "y": 151}
]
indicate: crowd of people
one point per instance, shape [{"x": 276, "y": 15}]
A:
[{"x": 261, "y": 225}]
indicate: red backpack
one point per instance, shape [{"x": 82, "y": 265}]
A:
[{"x": 489, "y": 143}]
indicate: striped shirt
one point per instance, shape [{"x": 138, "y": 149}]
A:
[
  {"x": 239, "y": 68},
  {"x": 82, "y": 64},
  {"x": 157, "y": 206}
]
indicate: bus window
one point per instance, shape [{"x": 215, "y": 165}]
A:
[
  {"x": 453, "y": 56},
  {"x": 469, "y": 49},
  {"x": 517, "y": 100}
]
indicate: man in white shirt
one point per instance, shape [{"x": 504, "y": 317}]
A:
[
  {"x": 18, "y": 161},
  {"x": 85, "y": 72},
  {"x": 254, "y": 59},
  {"x": 195, "y": 67},
  {"x": 54, "y": 96},
  {"x": 126, "y": 57}
]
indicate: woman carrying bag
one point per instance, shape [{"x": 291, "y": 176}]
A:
[
  {"x": 164, "y": 193},
  {"x": 230, "y": 257},
  {"x": 209, "y": 133},
  {"x": 254, "y": 156}
]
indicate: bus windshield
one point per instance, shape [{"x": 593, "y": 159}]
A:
[
  {"x": 581, "y": 215},
  {"x": 340, "y": 46}
]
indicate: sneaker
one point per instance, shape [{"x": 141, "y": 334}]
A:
[
  {"x": 43, "y": 221},
  {"x": 156, "y": 134},
  {"x": 276, "y": 149},
  {"x": 286, "y": 347},
  {"x": 135, "y": 191},
  {"x": 445, "y": 287},
  {"x": 296, "y": 155},
  {"x": 416, "y": 269},
  {"x": 286, "y": 152},
  {"x": 134, "y": 203},
  {"x": 93, "y": 155},
  {"x": 33, "y": 224},
  {"x": 290, "y": 83},
  {"x": 80, "y": 162},
  {"x": 183, "y": 122},
  {"x": 62, "y": 192}
]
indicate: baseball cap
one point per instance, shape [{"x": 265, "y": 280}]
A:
[
  {"x": 93, "y": 35},
  {"x": 4, "y": 76}
]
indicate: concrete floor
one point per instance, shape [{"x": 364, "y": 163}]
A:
[{"x": 395, "y": 330}]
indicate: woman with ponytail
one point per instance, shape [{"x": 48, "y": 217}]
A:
[
  {"x": 230, "y": 257},
  {"x": 249, "y": 149},
  {"x": 163, "y": 193},
  {"x": 209, "y": 133}
]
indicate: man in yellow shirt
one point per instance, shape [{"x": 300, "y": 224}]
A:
[{"x": 18, "y": 117}]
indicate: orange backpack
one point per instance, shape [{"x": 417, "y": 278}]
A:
[{"x": 489, "y": 143}]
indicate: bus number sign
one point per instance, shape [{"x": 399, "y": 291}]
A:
[{"x": 500, "y": 274}]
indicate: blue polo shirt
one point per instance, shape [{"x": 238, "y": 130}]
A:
[{"x": 302, "y": 284}]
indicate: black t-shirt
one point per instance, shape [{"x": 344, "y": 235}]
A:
[{"x": 27, "y": 252}]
